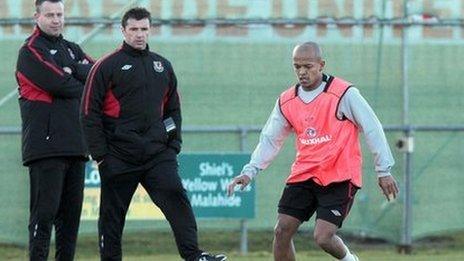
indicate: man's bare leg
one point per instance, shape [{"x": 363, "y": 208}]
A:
[
  {"x": 285, "y": 229},
  {"x": 325, "y": 237}
]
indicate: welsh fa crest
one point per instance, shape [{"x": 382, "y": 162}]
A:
[{"x": 158, "y": 66}]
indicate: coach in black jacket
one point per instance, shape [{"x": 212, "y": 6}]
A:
[
  {"x": 51, "y": 73},
  {"x": 128, "y": 95},
  {"x": 132, "y": 123}
]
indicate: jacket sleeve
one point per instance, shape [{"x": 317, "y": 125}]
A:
[
  {"x": 272, "y": 138},
  {"x": 92, "y": 111},
  {"x": 38, "y": 67},
  {"x": 82, "y": 66},
  {"x": 172, "y": 109},
  {"x": 81, "y": 71}
]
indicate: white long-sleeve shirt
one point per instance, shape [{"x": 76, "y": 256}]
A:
[{"x": 352, "y": 106}]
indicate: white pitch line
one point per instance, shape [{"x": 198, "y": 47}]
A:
[{"x": 8, "y": 97}]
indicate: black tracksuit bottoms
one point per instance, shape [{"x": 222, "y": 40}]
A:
[
  {"x": 56, "y": 194},
  {"x": 161, "y": 180}
]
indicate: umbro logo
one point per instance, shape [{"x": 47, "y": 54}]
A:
[
  {"x": 336, "y": 212},
  {"x": 53, "y": 51},
  {"x": 126, "y": 67}
]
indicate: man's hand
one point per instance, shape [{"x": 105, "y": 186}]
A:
[
  {"x": 242, "y": 180},
  {"x": 388, "y": 186},
  {"x": 67, "y": 69}
]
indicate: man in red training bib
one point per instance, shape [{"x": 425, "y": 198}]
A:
[{"x": 326, "y": 114}]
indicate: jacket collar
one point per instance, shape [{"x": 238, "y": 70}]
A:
[
  {"x": 134, "y": 52},
  {"x": 48, "y": 37}
]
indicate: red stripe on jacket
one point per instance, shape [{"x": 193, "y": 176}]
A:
[
  {"x": 111, "y": 106},
  {"x": 165, "y": 101},
  {"x": 53, "y": 67},
  {"x": 90, "y": 80},
  {"x": 30, "y": 91}
]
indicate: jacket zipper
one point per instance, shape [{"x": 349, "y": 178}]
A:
[
  {"x": 145, "y": 90},
  {"x": 48, "y": 126}
]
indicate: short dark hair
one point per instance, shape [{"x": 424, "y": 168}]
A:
[
  {"x": 38, "y": 3},
  {"x": 137, "y": 13}
]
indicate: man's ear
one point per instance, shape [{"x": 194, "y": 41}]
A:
[{"x": 322, "y": 66}]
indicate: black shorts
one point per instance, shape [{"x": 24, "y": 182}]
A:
[{"x": 331, "y": 203}]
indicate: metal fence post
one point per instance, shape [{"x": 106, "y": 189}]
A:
[
  {"x": 406, "y": 239},
  {"x": 243, "y": 236},
  {"x": 243, "y": 222},
  {"x": 406, "y": 236}
]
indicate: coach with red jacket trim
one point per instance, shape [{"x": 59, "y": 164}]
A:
[
  {"x": 51, "y": 73},
  {"x": 132, "y": 123}
]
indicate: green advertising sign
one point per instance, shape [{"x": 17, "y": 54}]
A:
[{"x": 206, "y": 177}]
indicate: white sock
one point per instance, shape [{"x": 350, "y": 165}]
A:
[{"x": 348, "y": 257}]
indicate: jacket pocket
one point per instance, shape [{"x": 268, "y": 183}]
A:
[
  {"x": 157, "y": 133},
  {"x": 126, "y": 143},
  {"x": 49, "y": 127}
]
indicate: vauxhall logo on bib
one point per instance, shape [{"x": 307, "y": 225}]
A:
[
  {"x": 311, "y": 137},
  {"x": 158, "y": 66}
]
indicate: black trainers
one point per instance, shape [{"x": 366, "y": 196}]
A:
[{"x": 208, "y": 257}]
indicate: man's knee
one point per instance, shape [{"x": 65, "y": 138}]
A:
[
  {"x": 323, "y": 238},
  {"x": 278, "y": 231},
  {"x": 283, "y": 231}
]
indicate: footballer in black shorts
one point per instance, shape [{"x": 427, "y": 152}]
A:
[{"x": 331, "y": 203}]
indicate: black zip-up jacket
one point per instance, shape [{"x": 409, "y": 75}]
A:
[
  {"x": 49, "y": 97},
  {"x": 127, "y": 96}
]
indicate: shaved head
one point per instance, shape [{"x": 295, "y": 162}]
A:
[
  {"x": 309, "y": 48},
  {"x": 308, "y": 64}
]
